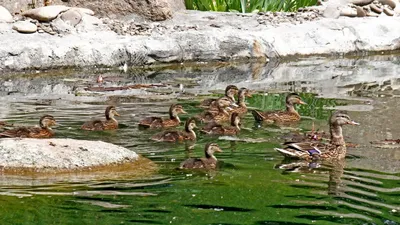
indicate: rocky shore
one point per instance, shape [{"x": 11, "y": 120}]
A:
[{"x": 76, "y": 38}]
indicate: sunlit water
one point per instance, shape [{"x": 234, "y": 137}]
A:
[{"x": 253, "y": 185}]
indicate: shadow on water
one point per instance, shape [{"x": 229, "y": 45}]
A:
[{"x": 252, "y": 185}]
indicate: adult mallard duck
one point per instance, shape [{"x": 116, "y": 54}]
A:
[
  {"x": 242, "y": 108},
  {"x": 335, "y": 149},
  {"x": 290, "y": 115},
  {"x": 230, "y": 92},
  {"x": 109, "y": 124},
  {"x": 173, "y": 135},
  {"x": 209, "y": 162},
  {"x": 44, "y": 131},
  {"x": 215, "y": 128},
  {"x": 158, "y": 122}
]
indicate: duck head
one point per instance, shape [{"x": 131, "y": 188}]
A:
[
  {"x": 210, "y": 149},
  {"x": 47, "y": 121},
  {"x": 111, "y": 112},
  {"x": 174, "y": 110}
]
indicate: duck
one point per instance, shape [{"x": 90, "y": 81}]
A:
[
  {"x": 230, "y": 92},
  {"x": 158, "y": 122},
  {"x": 209, "y": 162},
  {"x": 44, "y": 131},
  {"x": 109, "y": 124},
  {"x": 242, "y": 108},
  {"x": 219, "y": 115},
  {"x": 174, "y": 136},
  {"x": 214, "y": 128},
  {"x": 290, "y": 115},
  {"x": 316, "y": 150}
]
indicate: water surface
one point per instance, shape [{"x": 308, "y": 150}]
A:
[{"x": 253, "y": 185}]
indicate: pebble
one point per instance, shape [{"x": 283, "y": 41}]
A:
[{"x": 25, "y": 27}]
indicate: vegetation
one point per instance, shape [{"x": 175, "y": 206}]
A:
[{"x": 248, "y": 5}]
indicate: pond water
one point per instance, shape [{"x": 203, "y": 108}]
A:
[{"x": 253, "y": 185}]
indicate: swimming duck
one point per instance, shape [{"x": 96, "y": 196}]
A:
[
  {"x": 44, "y": 131},
  {"x": 230, "y": 92},
  {"x": 173, "y": 135},
  {"x": 209, "y": 162},
  {"x": 335, "y": 149},
  {"x": 219, "y": 115},
  {"x": 214, "y": 128},
  {"x": 242, "y": 108},
  {"x": 158, "y": 122},
  {"x": 290, "y": 115},
  {"x": 109, "y": 124}
]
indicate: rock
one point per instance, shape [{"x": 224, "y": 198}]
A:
[
  {"x": 46, "y": 13},
  {"x": 155, "y": 10},
  {"x": 361, "y": 2},
  {"x": 333, "y": 9},
  {"x": 60, "y": 154},
  {"x": 72, "y": 16},
  {"x": 348, "y": 11},
  {"x": 25, "y": 27},
  {"x": 5, "y": 15},
  {"x": 60, "y": 26},
  {"x": 85, "y": 11}
]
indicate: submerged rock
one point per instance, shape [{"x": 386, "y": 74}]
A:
[{"x": 60, "y": 154}]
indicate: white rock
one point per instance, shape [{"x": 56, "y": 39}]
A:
[
  {"x": 46, "y": 13},
  {"x": 72, "y": 16},
  {"x": 25, "y": 27},
  {"x": 65, "y": 154},
  {"x": 5, "y": 15},
  {"x": 84, "y": 10}
]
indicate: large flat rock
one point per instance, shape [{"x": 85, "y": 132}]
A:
[
  {"x": 60, "y": 154},
  {"x": 240, "y": 38}
]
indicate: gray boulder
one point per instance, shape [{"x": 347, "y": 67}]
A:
[{"x": 60, "y": 154}]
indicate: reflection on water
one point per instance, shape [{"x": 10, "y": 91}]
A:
[{"x": 252, "y": 186}]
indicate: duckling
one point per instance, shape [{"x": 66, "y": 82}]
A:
[
  {"x": 230, "y": 92},
  {"x": 44, "y": 131},
  {"x": 109, "y": 124},
  {"x": 209, "y": 162},
  {"x": 214, "y": 128},
  {"x": 290, "y": 115},
  {"x": 335, "y": 149},
  {"x": 158, "y": 122},
  {"x": 173, "y": 135},
  {"x": 219, "y": 115},
  {"x": 242, "y": 108}
]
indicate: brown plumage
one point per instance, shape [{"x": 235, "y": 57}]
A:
[
  {"x": 336, "y": 148},
  {"x": 214, "y": 128},
  {"x": 159, "y": 122},
  {"x": 109, "y": 124},
  {"x": 242, "y": 108},
  {"x": 209, "y": 162},
  {"x": 219, "y": 115},
  {"x": 290, "y": 115},
  {"x": 230, "y": 92},
  {"x": 44, "y": 131},
  {"x": 174, "y": 136}
]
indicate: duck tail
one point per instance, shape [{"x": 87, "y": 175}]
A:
[
  {"x": 286, "y": 153},
  {"x": 257, "y": 115}
]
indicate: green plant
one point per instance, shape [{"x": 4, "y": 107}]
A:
[{"x": 248, "y": 5}]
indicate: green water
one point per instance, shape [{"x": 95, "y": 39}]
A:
[{"x": 250, "y": 187}]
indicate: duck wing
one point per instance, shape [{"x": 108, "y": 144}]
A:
[
  {"x": 153, "y": 122},
  {"x": 23, "y": 132},
  {"x": 192, "y": 163},
  {"x": 169, "y": 136},
  {"x": 95, "y": 124}
]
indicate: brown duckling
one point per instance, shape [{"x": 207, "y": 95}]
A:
[
  {"x": 109, "y": 124},
  {"x": 173, "y": 135},
  {"x": 219, "y": 115},
  {"x": 158, "y": 122},
  {"x": 209, "y": 162},
  {"x": 230, "y": 92},
  {"x": 242, "y": 108},
  {"x": 44, "y": 131},
  {"x": 290, "y": 115},
  {"x": 335, "y": 149},
  {"x": 215, "y": 129}
]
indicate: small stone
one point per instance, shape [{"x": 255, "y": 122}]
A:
[
  {"x": 5, "y": 15},
  {"x": 72, "y": 16},
  {"x": 25, "y": 27},
  {"x": 46, "y": 13}
]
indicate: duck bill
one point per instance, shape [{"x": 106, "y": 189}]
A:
[
  {"x": 354, "y": 123},
  {"x": 183, "y": 111},
  {"x": 302, "y": 103},
  {"x": 218, "y": 150},
  {"x": 116, "y": 114}
]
